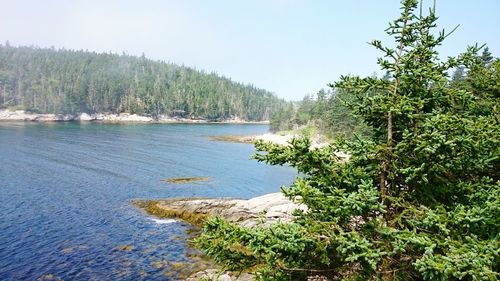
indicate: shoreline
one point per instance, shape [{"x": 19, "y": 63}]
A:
[
  {"x": 261, "y": 211},
  {"x": 317, "y": 142},
  {"x": 280, "y": 139},
  {"x": 23, "y": 116}
]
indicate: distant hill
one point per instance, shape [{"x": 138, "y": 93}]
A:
[{"x": 66, "y": 81}]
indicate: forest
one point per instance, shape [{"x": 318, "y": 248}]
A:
[{"x": 66, "y": 81}]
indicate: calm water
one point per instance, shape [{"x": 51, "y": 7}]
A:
[{"x": 65, "y": 190}]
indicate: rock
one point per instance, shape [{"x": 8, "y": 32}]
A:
[
  {"x": 317, "y": 141},
  {"x": 265, "y": 209},
  {"x": 185, "y": 180},
  {"x": 21, "y": 115},
  {"x": 277, "y": 139},
  {"x": 64, "y": 117},
  {"x": 259, "y": 211},
  {"x": 18, "y": 115},
  {"x": 85, "y": 117},
  {"x": 126, "y": 248},
  {"x": 48, "y": 277},
  {"x": 125, "y": 117},
  {"x": 214, "y": 274},
  {"x": 98, "y": 116}
]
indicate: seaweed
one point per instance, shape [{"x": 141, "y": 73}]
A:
[{"x": 185, "y": 180}]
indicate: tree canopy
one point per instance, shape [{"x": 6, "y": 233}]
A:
[
  {"x": 419, "y": 199},
  {"x": 66, "y": 81},
  {"x": 327, "y": 111}
]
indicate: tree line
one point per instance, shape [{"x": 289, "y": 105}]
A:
[
  {"x": 325, "y": 111},
  {"x": 66, "y": 81}
]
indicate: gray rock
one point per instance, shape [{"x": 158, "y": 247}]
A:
[
  {"x": 259, "y": 211},
  {"x": 263, "y": 210},
  {"x": 215, "y": 275}
]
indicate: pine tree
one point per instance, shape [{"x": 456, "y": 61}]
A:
[
  {"x": 420, "y": 199},
  {"x": 486, "y": 56}
]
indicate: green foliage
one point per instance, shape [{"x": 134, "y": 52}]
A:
[
  {"x": 63, "y": 81},
  {"x": 335, "y": 119},
  {"x": 282, "y": 119},
  {"x": 483, "y": 80},
  {"x": 327, "y": 112},
  {"x": 418, "y": 200}
]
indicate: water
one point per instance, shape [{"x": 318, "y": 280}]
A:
[{"x": 65, "y": 191}]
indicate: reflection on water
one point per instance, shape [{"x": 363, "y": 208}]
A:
[{"x": 65, "y": 190}]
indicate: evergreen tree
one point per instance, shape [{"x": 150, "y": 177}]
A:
[
  {"x": 327, "y": 112},
  {"x": 458, "y": 75},
  {"x": 419, "y": 200},
  {"x": 486, "y": 56}
]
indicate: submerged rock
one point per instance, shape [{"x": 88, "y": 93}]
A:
[
  {"x": 49, "y": 277},
  {"x": 185, "y": 180},
  {"x": 126, "y": 248}
]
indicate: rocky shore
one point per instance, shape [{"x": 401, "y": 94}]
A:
[
  {"x": 259, "y": 211},
  {"x": 262, "y": 210},
  {"x": 21, "y": 115},
  {"x": 317, "y": 141}
]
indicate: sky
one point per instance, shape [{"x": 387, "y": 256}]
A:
[{"x": 289, "y": 47}]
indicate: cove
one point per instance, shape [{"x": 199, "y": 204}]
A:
[{"x": 65, "y": 192}]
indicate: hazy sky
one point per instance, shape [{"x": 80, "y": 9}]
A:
[{"x": 290, "y": 47}]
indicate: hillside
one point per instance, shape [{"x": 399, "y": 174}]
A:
[{"x": 66, "y": 81}]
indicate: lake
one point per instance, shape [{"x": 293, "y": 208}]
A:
[{"x": 65, "y": 191}]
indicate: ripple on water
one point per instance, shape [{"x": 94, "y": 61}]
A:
[
  {"x": 164, "y": 221},
  {"x": 66, "y": 188}
]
